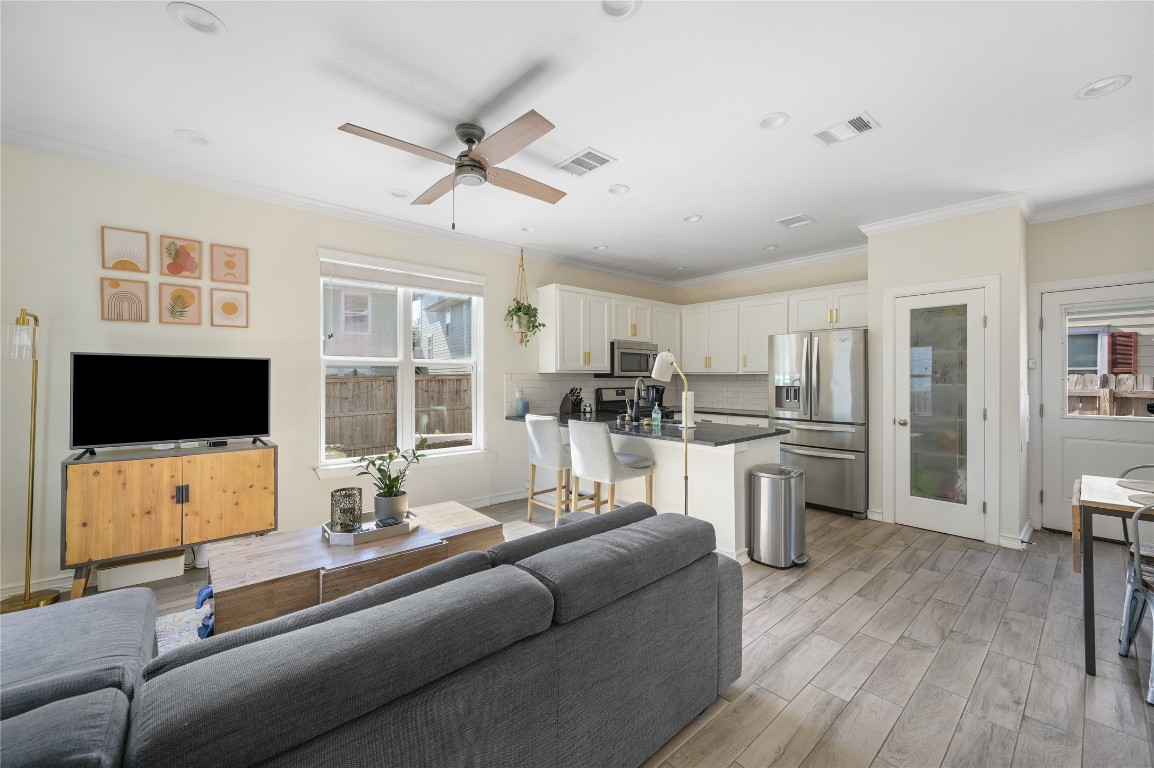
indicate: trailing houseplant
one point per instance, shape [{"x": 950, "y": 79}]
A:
[
  {"x": 522, "y": 317},
  {"x": 391, "y": 501}
]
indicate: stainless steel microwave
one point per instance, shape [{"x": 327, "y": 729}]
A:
[{"x": 632, "y": 358}]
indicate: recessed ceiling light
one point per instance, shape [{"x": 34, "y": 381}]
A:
[
  {"x": 600, "y": 247},
  {"x": 620, "y": 10},
  {"x": 400, "y": 194},
  {"x": 528, "y": 229},
  {"x": 618, "y": 189},
  {"x": 1102, "y": 87},
  {"x": 196, "y": 18},
  {"x": 774, "y": 120},
  {"x": 192, "y": 137},
  {"x": 693, "y": 218},
  {"x": 679, "y": 269},
  {"x": 770, "y": 248}
]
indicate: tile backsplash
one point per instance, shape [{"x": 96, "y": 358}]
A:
[{"x": 544, "y": 391}]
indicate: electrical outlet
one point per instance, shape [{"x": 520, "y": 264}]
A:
[{"x": 526, "y": 485}]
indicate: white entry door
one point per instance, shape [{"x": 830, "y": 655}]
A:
[
  {"x": 1094, "y": 419},
  {"x": 939, "y": 403}
]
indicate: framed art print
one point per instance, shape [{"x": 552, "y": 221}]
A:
[
  {"x": 229, "y": 264},
  {"x": 229, "y": 308},
  {"x": 179, "y": 304},
  {"x": 124, "y": 249},
  {"x": 123, "y": 300},
  {"x": 180, "y": 257}
]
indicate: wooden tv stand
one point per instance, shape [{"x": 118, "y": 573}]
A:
[{"x": 120, "y": 504}]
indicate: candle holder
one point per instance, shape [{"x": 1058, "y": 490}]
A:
[{"x": 345, "y": 510}]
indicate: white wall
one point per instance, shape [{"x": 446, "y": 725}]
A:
[
  {"x": 52, "y": 210},
  {"x": 978, "y": 245}
]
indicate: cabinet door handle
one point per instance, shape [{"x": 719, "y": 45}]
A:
[
  {"x": 633, "y": 329},
  {"x": 829, "y": 316},
  {"x": 836, "y": 314},
  {"x": 752, "y": 424},
  {"x": 744, "y": 363}
]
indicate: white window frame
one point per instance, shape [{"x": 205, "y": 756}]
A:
[
  {"x": 406, "y": 366},
  {"x": 368, "y": 313}
]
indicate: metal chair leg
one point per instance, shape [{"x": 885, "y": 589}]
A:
[
  {"x": 1150, "y": 681},
  {"x": 1133, "y": 607}
]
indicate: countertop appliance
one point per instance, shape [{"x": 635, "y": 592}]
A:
[
  {"x": 818, "y": 391},
  {"x": 613, "y": 400},
  {"x": 631, "y": 358}
]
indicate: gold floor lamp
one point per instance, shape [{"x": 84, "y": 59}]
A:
[
  {"x": 663, "y": 368},
  {"x": 21, "y": 345}
]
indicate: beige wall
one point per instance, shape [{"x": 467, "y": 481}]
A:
[
  {"x": 977, "y": 245},
  {"x": 1111, "y": 243},
  {"x": 846, "y": 270},
  {"x": 52, "y": 210}
]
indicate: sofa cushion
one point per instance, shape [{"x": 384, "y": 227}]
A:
[
  {"x": 75, "y": 647},
  {"x": 512, "y": 552},
  {"x": 261, "y": 699},
  {"x": 395, "y": 588},
  {"x": 85, "y": 730},
  {"x": 593, "y": 572}
]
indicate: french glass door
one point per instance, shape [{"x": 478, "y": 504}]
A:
[{"x": 939, "y": 409}]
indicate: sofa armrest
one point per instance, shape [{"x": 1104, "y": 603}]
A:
[
  {"x": 728, "y": 622},
  {"x": 254, "y": 702}
]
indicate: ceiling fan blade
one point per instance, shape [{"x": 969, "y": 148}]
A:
[
  {"x": 515, "y": 182},
  {"x": 435, "y": 192},
  {"x": 389, "y": 141},
  {"x": 512, "y": 138}
]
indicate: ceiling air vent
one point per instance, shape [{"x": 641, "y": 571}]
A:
[
  {"x": 848, "y": 129},
  {"x": 583, "y": 162},
  {"x": 799, "y": 220}
]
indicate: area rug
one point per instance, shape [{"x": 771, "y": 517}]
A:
[{"x": 176, "y": 629}]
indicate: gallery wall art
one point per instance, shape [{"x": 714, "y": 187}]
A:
[
  {"x": 229, "y": 308},
  {"x": 124, "y": 249},
  {"x": 179, "y": 304},
  {"x": 229, "y": 264},
  {"x": 123, "y": 300},
  {"x": 180, "y": 257}
]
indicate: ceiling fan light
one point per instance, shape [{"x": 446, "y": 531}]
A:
[{"x": 470, "y": 176}]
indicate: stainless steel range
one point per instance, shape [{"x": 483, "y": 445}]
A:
[{"x": 612, "y": 400}]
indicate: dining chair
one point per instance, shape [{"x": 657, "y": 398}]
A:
[
  {"x": 595, "y": 460},
  {"x": 1139, "y": 587},
  {"x": 1131, "y": 617}
]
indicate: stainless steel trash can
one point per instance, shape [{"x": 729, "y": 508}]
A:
[{"x": 777, "y": 515}]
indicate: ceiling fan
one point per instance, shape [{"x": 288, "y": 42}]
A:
[{"x": 478, "y": 162}]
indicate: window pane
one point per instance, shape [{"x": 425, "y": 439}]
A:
[
  {"x": 442, "y": 326},
  {"x": 443, "y": 411},
  {"x": 1082, "y": 352},
  {"x": 360, "y": 410},
  {"x": 360, "y": 319},
  {"x": 1101, "y": 342}
]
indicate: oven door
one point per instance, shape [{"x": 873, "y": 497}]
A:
[{"x": 633, "y": 359}]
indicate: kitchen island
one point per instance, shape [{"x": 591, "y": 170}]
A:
[{"x": 720, "y": 457}]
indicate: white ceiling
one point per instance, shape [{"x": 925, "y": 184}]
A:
[{"x": 974, "y": 100}]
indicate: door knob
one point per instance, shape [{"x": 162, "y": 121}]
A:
[{"x": 902, "y": 422}]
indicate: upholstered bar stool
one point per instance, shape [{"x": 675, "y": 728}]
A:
[
  {"x": 548, "y": 452},
  {"x": 595, "y": 460}
]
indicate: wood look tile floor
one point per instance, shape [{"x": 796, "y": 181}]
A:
[{"x": 901, "y": 648}]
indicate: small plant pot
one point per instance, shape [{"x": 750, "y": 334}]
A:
[
  {"x": 396, "y": 507},
  {"x": 522, "y": 324}
]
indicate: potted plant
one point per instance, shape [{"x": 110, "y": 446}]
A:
[
  {"x": 522, "y": 317},
  {"x": 391, "y": 502}
]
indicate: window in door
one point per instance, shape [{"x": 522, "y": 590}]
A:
[{"x": 1110, "y": 360}]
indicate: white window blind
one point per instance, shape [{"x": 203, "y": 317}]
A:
[{"x": 369, "y": 269}]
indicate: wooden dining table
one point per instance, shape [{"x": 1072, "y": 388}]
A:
[{"x": 1093, "y": 495}]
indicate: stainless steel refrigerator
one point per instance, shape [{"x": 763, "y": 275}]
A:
[{"x": 818, "y": 391}]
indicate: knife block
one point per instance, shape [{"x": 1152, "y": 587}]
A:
[{"x": 566, "y": 408}]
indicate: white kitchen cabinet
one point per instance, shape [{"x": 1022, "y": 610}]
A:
[
  {"x": 632, "y": 319},
  {"x": 723, "y": 418},
  {"x": 576, "y": 333},
  {"x": 667, "y": 328},
  {"x": 709, "y": 338},
  {"x": 760, "y": 318},
  {"x": 837, "y": 306}
]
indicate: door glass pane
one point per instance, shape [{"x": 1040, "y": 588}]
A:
[
  {"x": 360, "y": 410},
  {"x": 1110, "y": 360},
  {"x": 938, "y": 348}
]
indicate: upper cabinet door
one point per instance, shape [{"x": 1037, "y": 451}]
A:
[
  {"x": 667, "y": 329},
  {"x": 632, "y": 319},
  {"x": 694, "y": 340},
  {"x": 643, "y": 322},
  {"x": 760, "y": 319},
  {"x": 597, "y": 325},
  {"x": 724, "y": 321},
  {"x": 851, "y": 307},
  {"x": 622, "y": 319},
  {"x": 570, "y": 337},
  {"x": 810, "y": 311}
]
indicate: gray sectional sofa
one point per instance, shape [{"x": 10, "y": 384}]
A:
[{"x": 590, "y": 644}]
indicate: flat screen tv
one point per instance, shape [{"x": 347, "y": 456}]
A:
[{"x": 143, "y": 399}]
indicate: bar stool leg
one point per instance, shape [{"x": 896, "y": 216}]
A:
[
  {"x": 532, "y": 480},
  {"x": 596, "y": 497},
  {"x": 568, "y": 491},
  {"x": 557, "y": 501},
  {"x": 612, "y": 496},
  {"x": 649, "y": 489}
]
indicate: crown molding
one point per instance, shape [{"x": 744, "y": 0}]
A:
[
  {"x": 777, "y": 266},
  {"x": 556, "y": 258},
  {"x": 982, "y": 205},
  {"x": 1099, "y": 205}
]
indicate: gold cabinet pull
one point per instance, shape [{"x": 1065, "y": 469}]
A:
[
  {"x": 829, "y": 316},
  {"x": 744, "y": 362},
  {"x": 837, "y": 315},
  {"x": 633, "y": 329},
  {"x": 751, "y": 423}
]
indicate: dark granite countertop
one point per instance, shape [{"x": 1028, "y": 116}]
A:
[
  {"x": 730, "y": 411},
  {"x": 712, "y": 435}
]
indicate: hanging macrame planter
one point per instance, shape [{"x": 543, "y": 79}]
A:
[{"x": 521, "y": 316}]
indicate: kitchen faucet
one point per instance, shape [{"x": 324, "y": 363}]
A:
[{"x": 638, "y": 386}]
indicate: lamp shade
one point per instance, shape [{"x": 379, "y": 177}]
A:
[
  {"x": 20, "y": 342},
  {"x": 663, "y": 366}
]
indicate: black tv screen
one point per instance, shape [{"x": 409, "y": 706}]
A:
[{"x": 142, "y": 399}]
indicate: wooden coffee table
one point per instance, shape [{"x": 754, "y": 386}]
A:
[{"x": 258, "y": 579}]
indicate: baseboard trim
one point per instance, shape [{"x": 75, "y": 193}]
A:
[
  {"x": 875, "y": 514},
  {"x": 62, "y": 583},
  {"x": 742, "y": 556},
  {"x": 1011, "y": 542},
  {"x": 499, "y": 498}
]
